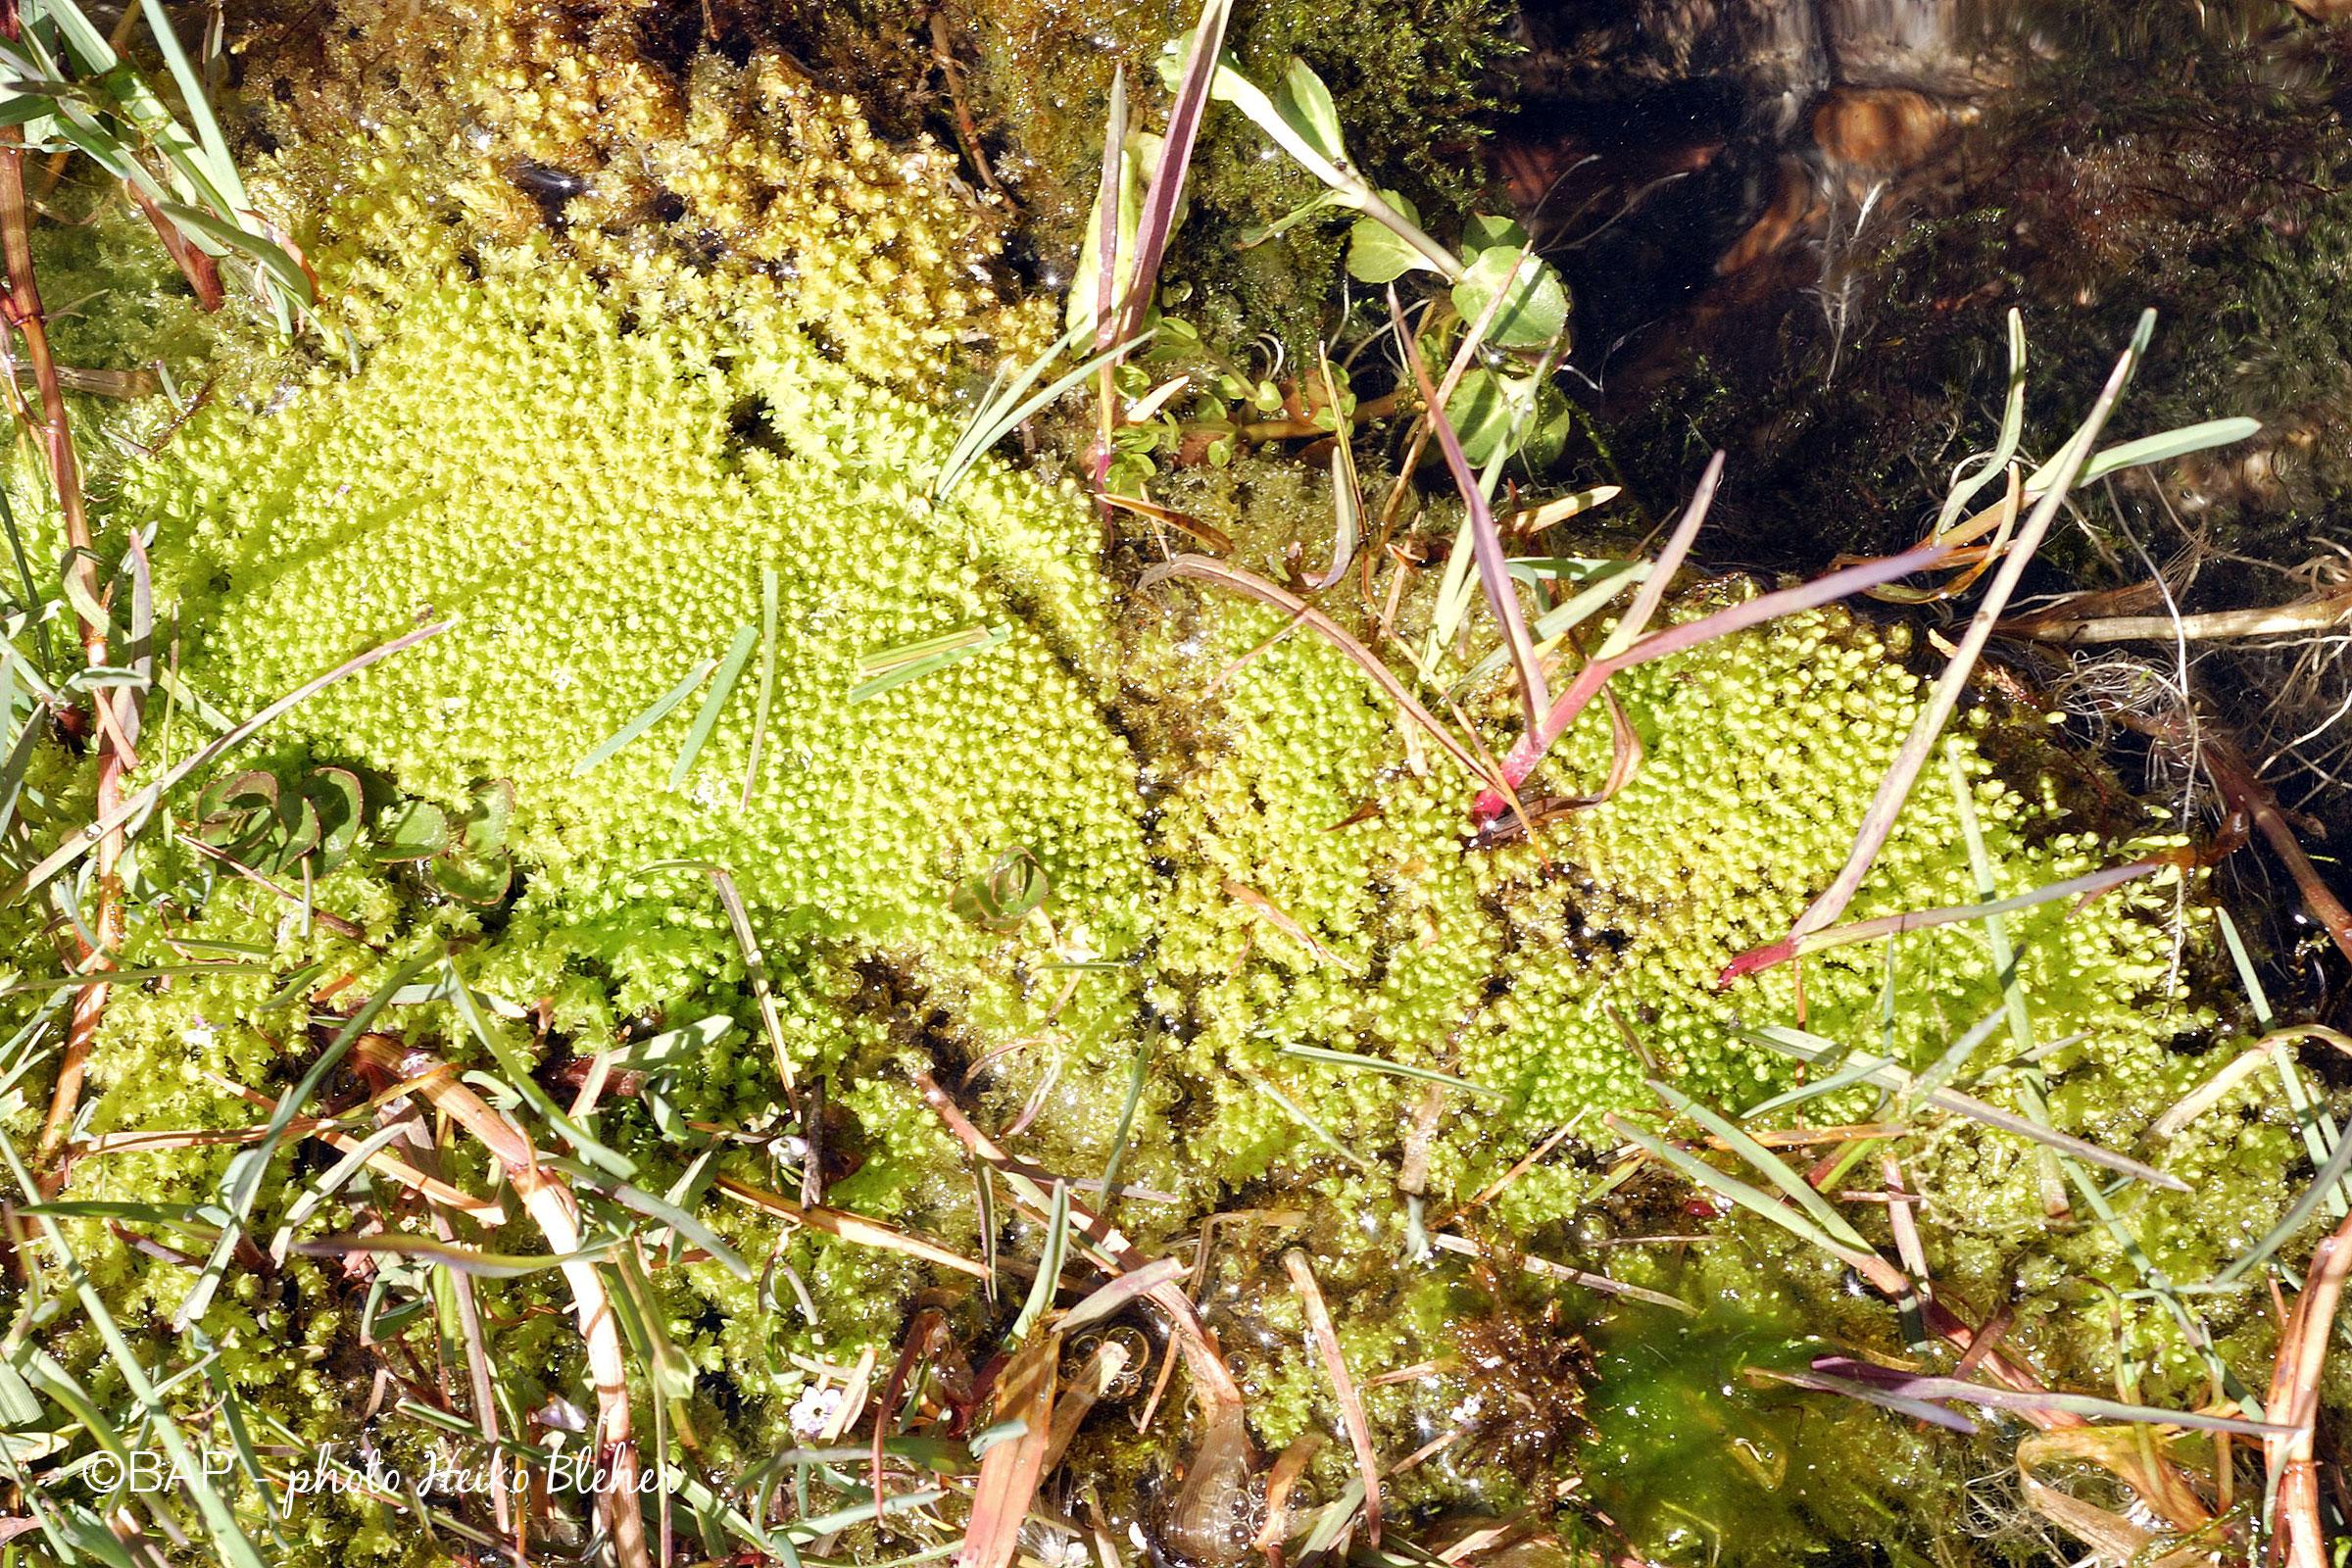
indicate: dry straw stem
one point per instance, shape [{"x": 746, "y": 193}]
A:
[
  {"x": 384, "y": 1161},
  {"x": 558, "y": 1215},
  {"x": 2276, "y": 1046},
  {"x": 1351, "y": 1408},
  {"x": 1212, "y": 1381},
  {"x": 2063, "y": 624},
  {"x": 846, "y": 1226},
  {"x": 1011, "y": 1470}
]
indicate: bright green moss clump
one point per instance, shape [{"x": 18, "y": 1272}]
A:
[
  {"x": 613, "y": 472},
  {"x": 1323, "y": 898},
  {"x": 595, "y": 506}
]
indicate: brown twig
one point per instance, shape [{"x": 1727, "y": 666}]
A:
[
  {"x": 2069, "y": 625},
  {"x": 1351, "y": 1408}
]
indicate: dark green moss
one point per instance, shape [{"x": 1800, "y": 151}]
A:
[{"x": 1414, "y": 81}]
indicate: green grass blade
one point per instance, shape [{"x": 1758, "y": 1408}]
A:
[
  {"x": 998, "y": 416},
  {"x": 242, "y": 1188},
  {"x": 1048, "y": 1266},
  {"x": 646, "y": 721},
  {"x": 1753, "y": 1199},
  {"x": 2013, "y": 428},
  {"x": 2304, "y": 1206},
  {"x": 1945, "y": 1068},
  {"x": 705, "y": 718},
  {"x": 219, "y": 167},
  {"x": 228, "y": 1538},
  {"x": 1399, "y": 1069},
  {"x": 768, "y": 682},
  {"x": 518, "y": 1077},
  {"x": 898, "y": 672},
  {"x": 1774, "y": 1168}
]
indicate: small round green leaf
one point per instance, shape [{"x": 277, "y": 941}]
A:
[{"x": 1534, "y": 311}]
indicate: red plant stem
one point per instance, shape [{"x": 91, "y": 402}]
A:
[
  {"x": 2251, "y": 803},
  {"x": 1161, "y": 198},
  {"x": 23, "y": 308},
  {"x": 1485, "y": 540},
  {"x": 2247, "y": 794},
  {"x": 1530, "y": 748},
  {"x": 2297, "y": 1538}
]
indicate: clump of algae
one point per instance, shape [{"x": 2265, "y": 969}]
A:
[{"x": 593, "y": 452}]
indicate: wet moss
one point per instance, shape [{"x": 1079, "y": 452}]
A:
[
  {"x": 1414, "y": 82},
  {"x": 593, "y": 450}
]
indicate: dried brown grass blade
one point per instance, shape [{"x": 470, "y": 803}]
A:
[
  {"x": 1010, "y": 1471},
  {"x": 2290, "y": 1462},
  {"x": 1281, "y": 920},
  {"x": 1280, "y": 1482},
  {"x": 1215, "y": 538},
  {"x": 1352, "y": 1405},
  {"x": 384, "y": 1161},
  {"x": 846, "y": 1226},
  {"x": 557, "y": 1213}
]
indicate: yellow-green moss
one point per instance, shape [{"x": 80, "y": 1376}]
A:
[{"x": 585, "y": 451}]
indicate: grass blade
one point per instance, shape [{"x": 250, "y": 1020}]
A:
[
  {"x": 227, "y": 1538},
  {"x": 1485, "y": 540},
  {"x": 1761, "y": 1204},
  {"x": 1002, "y": 412},
  {"x": 1670, "y": 562},
  {"x": 1530, "y": 748},
  {"x": 243, "y": 1184},
  {"x": 1774, "y": 1168},
  {"x": 1879, "y": 824},
  {"x": 1206, "y": 569},
  {"x": 661, "y": 710},
  {"x": 2013, "y": 429},
  {"x": 1158, "y": 222},
  {"x": 1012, "y": 1469},
  {"x": 909, "y": 661},
  {"x": 1890, "y": 1074},
  {"x": 1048, "y": 1266},
  {"x": 2088, "y": 886},
  {"x": 1351, "y": 1406},
  {"x": 1399, "y": 1069},
  {"x": 1895, "y": 1380},
  {"x": 705, "y": 718},
  {"x": 768, "y": 682}
]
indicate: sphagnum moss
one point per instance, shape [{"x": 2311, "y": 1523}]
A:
[{"x": 588, "y": 458}]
